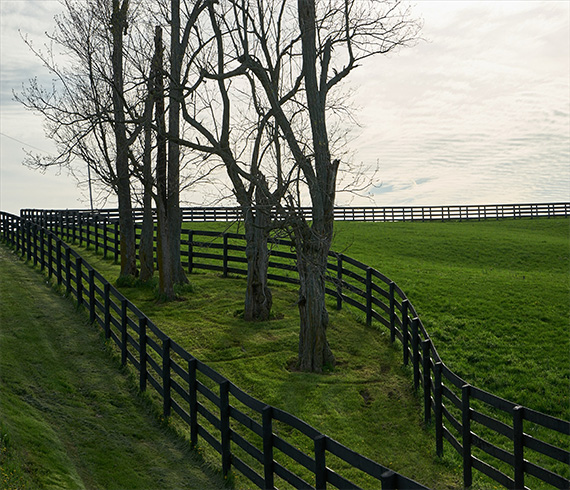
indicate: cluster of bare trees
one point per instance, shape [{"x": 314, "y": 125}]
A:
[{"x": 250, "y": 87}]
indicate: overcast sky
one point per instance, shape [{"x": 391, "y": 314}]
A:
[{"x": 478, "y": 112}]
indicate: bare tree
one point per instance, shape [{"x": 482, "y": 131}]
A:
[
  {"x": 86, "y": 110},
  {"x": 119, "y": 28},
  {"x": 334, "y": 37},
  {"x": 213, "y": 107}
]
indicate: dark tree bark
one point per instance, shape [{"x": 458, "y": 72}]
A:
[
  {"x": 258, "y": 296},
  {"x": 175, "y": 97},
  {"x": 166, "y": 280},
  {"x": 245, "y": 182},
  {"x": 313, "y": 241},
  {"x": 126, "y": 222},
  {"x": 312, "y": 252},
  {"x": 146, "y": 245}
]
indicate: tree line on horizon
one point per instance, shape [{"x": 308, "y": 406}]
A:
[{"x": 153, "y": 96}]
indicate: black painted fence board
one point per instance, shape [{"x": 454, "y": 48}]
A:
[{"x": 295, "y": 454}]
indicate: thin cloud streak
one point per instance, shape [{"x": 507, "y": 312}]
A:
[{"x": 480, "y": 111}]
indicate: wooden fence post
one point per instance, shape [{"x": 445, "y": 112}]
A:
[
  {"x": 96, "y": 218},
  {"x": 68, "y": 269},
  {"x": 80, "y": 226},
  {"x": 107, "y": 306},
  {"x": 58, "y": 260},
  {"x": 79, "y": 280},
  {"x": 91, "y": 295},
  {"x": 225, "y": 256},
  {"x": 369, "y": 296},
  {"x": 28, "y": 240},
  {"x": 392, "y": 312},
  {"x": 75, "y": 223},
  {"x": 426, "y": 368},
  {"x": 389, "y": 480},
  {"x": 17, "y": 226},
  {"x": 267, "y": 414},
  {"x": 105, "y": 245},
  {"x": 142, "y": 353},
  {"x": 518, "y": 443},
  {"x": 438, "y": 409},
  {"x": 42, "y": 249},
  {"x": 124, "y": 338},
  {"x": 339, "y": 282},
  {"x": 225, "y": 426},
  {"x": 117, "y": 240},
  {"x": 34, "y": 229},
  {"x": 320, "y": 462},
  {"x": 415, "y": 352},
  {"x": 193, "y": 401},
  {"x": 190, "y": 251},
  {"x": 166, "y": 378},
  {"x": 466, "y": 423},
  {"x": 405, "y": 334},
  {"x": 50, "y": 254}
]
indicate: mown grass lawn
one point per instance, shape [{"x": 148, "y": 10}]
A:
[
  {"x": 493, "y": 295},
  {"x": 366, "y": 402},
  {"x": 69, "y": 419}
]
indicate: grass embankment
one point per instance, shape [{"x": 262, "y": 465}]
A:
[
  {"x": 494, "y": 296},
  {"x": 68, "y": 418},
  {"x": 366, "y": 403}
]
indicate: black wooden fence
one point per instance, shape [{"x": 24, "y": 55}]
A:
[
  {"x": 250, "y": 436},
  {"x": 491, "y": 434},
  {"x": 391, "y": 213}
]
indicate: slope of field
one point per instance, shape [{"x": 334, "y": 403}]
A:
[
  {"x": 494, "y": 296},
  {"x": 68, "y": 418}
]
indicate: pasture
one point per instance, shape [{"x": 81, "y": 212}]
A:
[{"x": 470, "y": 285}]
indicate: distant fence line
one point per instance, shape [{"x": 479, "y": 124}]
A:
[
  {"x": 455, "y": 407},
  {"x": 391, "y": 213}
]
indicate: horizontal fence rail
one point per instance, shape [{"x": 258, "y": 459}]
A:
[
  {"x": 370, "y": 213},
  {"x": 492, "y": 435}
]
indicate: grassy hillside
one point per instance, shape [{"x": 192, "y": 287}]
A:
[
  {"x": 68, "y": 418},
  {"x": 366, "y": 403},
  {"x": 493, "y": 295}
]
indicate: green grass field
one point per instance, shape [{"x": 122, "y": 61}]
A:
[
  {"x": 493, "y": 295},
  {"x": 69, "y": 419}
]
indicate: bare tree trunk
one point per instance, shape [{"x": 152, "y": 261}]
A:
[
  {"x": 126, "y": 222},
  {"x": 312, "y": 251},
  {"x": 258, "y": 297},
  {"x": 173, "y": 198},
  {"x": 313, "y": 243},
  {"x": 166, "y": 284},
  {"x": 146, "y": 252}
]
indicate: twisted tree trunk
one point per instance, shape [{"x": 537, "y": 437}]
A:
[{"x": 258, "y": 297}]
